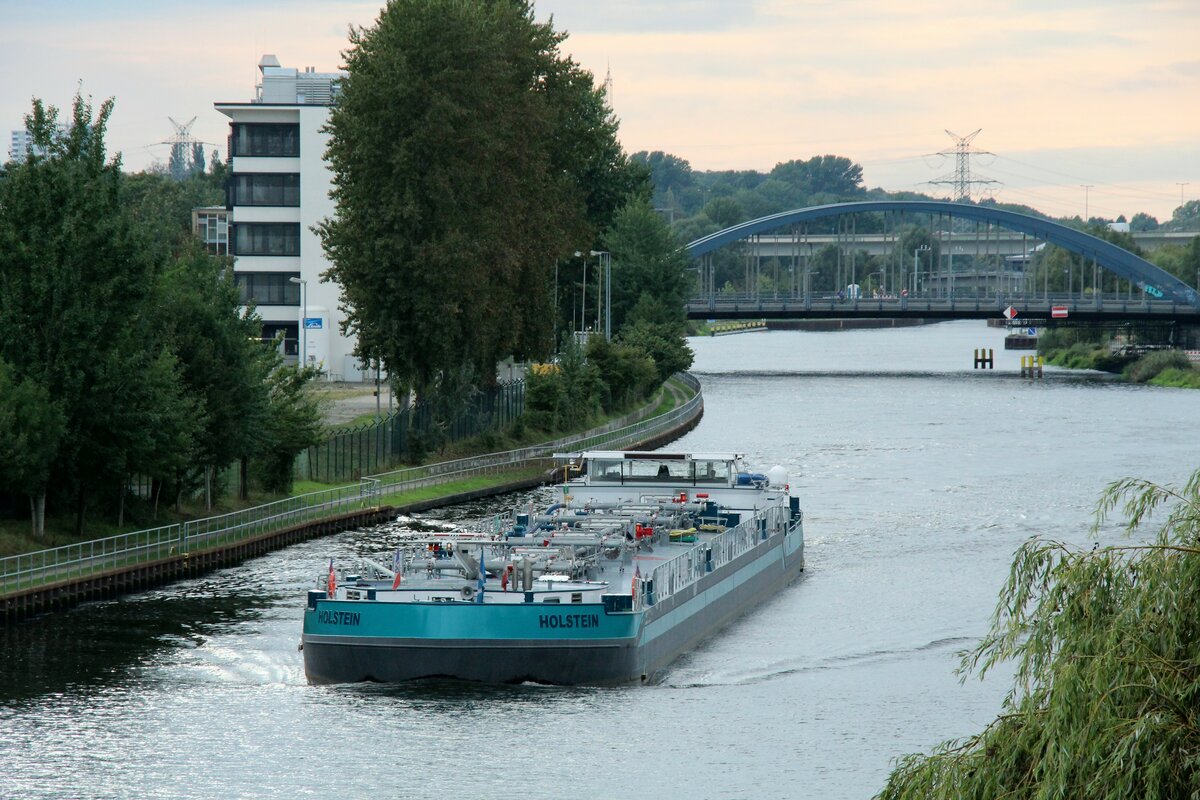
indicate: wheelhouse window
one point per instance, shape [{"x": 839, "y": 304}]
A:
[
  {"x": 267, "y": 239},
  {"x": 602, "y": 470},
  {"x": 265, "y": 139},
  {"x": 266, "y": 189},
  {"x": 268, "y": 288},
  {"x": 714, "y": 472}
]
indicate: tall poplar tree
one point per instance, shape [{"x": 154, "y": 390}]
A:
[{"x": 469, "y": 154}]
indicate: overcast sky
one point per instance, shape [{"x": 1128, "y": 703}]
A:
[{"x": 1067, "y": 92}]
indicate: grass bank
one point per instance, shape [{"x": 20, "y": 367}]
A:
[{"x": 1162, "y": 368}]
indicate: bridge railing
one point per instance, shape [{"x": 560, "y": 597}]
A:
[
  {"x": 70, "y": 562},
  {"x": 1027, "y": 304}
]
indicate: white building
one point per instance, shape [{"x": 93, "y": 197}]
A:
[
  {"x": 22, "y": 145},
  {"x": 278, "y": 190},
  {"x": 18, "y": 151}
]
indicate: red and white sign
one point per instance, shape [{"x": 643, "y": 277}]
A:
[
  {"x": 1058, "y": 312},
  {"x": 1010, "y": 313}
]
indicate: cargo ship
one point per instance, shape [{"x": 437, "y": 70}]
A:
[{"x": 644, "y": 555}]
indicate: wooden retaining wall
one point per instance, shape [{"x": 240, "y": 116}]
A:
[{"x": 111, "y": 583}]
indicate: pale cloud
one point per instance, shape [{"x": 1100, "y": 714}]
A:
[{"x": 724, "y": 84}]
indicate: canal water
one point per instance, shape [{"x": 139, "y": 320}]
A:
[{"x": 919, "y": 477}]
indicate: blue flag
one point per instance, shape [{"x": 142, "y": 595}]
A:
[{"x": 482, "y": 577}]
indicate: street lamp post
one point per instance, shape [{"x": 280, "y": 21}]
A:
[
  {"x": 303, "y": 319},
  {"x": 606, "y": 265}
]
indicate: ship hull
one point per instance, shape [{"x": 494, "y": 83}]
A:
[{"x": 584, "y": 644}]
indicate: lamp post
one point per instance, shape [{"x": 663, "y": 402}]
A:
[
  {"x": 583, "y": 301},
  {"x": 606, "y": 265},
  {"x": 303, "y": 319}
]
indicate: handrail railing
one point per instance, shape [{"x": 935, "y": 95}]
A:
[
  {"x": 683, "y": 570},
  {"x": 30, "y": 570}
]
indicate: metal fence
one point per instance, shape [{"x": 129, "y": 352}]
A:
[
  {"x": 99, "y": 555},
  {"x": 31, "y": 570},
  {"x": 349, "y": 454}
]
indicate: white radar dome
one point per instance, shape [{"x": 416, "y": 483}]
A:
[{"x": 778, "y": 476}]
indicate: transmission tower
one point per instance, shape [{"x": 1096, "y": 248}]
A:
[
  {"x": 608, "y": 87},
  {"x": 961, "y": 178}
]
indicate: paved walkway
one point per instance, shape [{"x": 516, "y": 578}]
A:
[{"x": 348, "y": 401}]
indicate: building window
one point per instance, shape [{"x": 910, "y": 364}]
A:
[
  {"x": 269, "y": 189},
  {"x": 212, "y": 226},
  {"x": 268, "y": 288},
  {"x": 267, "y": 238},
  {"x": 265, "y": 139}
]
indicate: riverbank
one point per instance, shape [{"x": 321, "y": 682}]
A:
[
  {"x": 1171, "y": 368},
  {"x": 64, "y": 576}
]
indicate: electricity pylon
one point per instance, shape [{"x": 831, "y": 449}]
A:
[{"x": 961, "y": 178}]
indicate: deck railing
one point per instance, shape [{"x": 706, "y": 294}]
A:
[
  {"x": 686, "y": 568},
  {"x": 74, "y": 561}
]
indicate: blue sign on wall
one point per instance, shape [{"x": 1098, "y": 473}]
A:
[{"x": 311, "y": 323}]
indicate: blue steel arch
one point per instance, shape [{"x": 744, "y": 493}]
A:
[{"x": 1116, "y": 259}]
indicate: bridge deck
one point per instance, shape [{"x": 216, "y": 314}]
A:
[{"x": 1087, "y": 309}]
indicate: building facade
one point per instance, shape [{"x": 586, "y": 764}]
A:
[
  {"x": 21, "y": 144},
  {"x": 278, "y": 191},
  {"x": 20, "y": 147}
]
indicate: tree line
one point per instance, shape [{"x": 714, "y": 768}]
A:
[{"x": 125, "y": 359}]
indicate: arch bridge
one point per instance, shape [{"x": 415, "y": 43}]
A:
[{"x": 946, "y": 281}]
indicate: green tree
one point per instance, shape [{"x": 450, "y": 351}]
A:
[
  {"x": 646, "y": 259},
  {"x": 663, "y": 342},
  {"x": 628, "y": 373},
  {"x": 724, "y": 212},
  {"x": 31, "y": 425},
  {"x": 1107, "y": 653},
  {"x": 835, "y": 176},
  {"x": 292, "y": 422},
  {"x": 469, "y": 154},
  {"x": 75, "y": 277},
  {"x": 162, "y": 208},
  {"x": 1185, "y": 217},
  {"x": 220, "y": 363}
]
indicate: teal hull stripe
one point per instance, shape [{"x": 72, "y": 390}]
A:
[{"x": 468, "y": 621}]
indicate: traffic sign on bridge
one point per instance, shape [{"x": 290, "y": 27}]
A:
[
  {"x": 1010, "y": 313},
  {"x": 1058, "y": 312}
]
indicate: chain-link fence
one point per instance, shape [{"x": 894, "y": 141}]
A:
[{"x": 350, "y": 454}]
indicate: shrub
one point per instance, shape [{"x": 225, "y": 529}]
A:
[{"x": 1146, "y": 367}]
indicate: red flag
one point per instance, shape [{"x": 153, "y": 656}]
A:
[{"x": 332, "y": 580}]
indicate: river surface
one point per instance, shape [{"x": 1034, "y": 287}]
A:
[{"x": 919, "y": 477}]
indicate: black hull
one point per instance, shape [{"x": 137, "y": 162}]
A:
[{"x": 563, "y": 662}]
